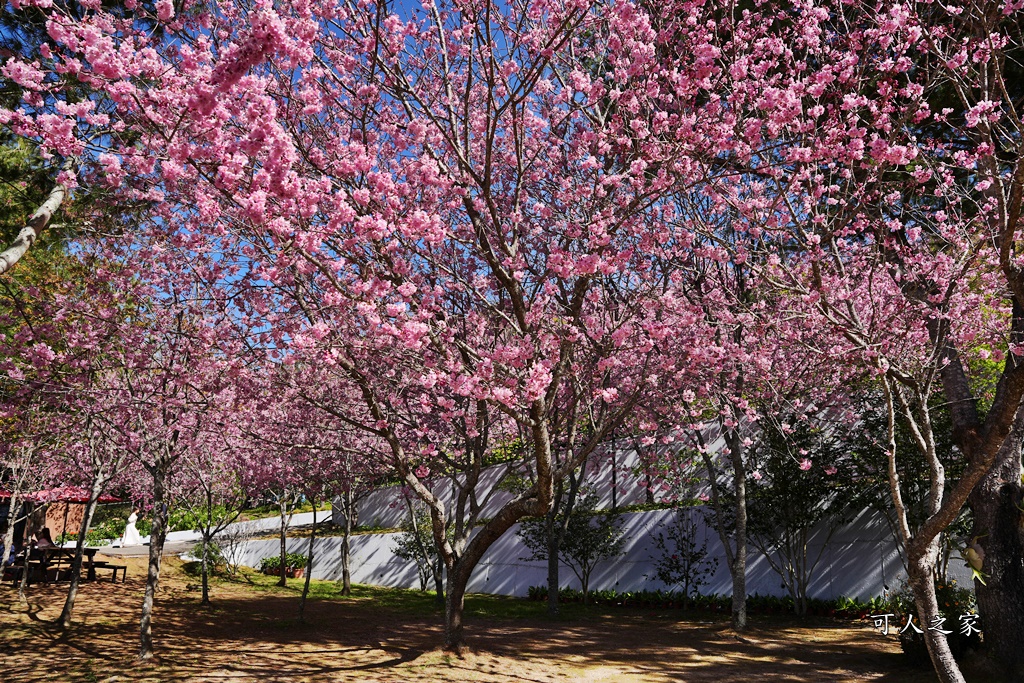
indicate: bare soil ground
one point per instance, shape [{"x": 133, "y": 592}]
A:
[{"x": 254, "y": 635}]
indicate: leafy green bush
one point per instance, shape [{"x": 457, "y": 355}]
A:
[
  {"x": 273, "y": 563},
  {"x": 108, "y": 529},
  {"x": 756, "y": 604},
  {"x": 214, "y": 554},
  {"x": 663, "y": 599}
]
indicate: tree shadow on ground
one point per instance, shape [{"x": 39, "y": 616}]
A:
[{"x": 250, "y": 635}]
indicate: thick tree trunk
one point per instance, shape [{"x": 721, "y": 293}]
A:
[
  {"x": 76, "y": 565},
  {"x": 461, "y": 567},
  {"x": 156, "y": 548},
  {"x": 997, "y": 503},
  {"x": 458, "y": 579},
  {"x": 921, "y": 572}
]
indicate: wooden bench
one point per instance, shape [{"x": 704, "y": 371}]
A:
[
  {"x": 115, "y": 569},
  {"x": 37, "y": 572}
]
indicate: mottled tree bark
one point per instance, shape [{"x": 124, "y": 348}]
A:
[
  {"x": 738, "y": 570},
  {"x": 33, "y": 228},
  {"x": 76, "y": 564},
  {"x": 346, "y": 551},
  {"x": 156, "y": 547},
  {"x": 997, "y": 504}
]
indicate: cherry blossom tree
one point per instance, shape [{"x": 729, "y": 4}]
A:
[
  {"x": 214, "y": 481},
  {"x": 398, "y": 231},
  {"x": 466, "y": 213},
  {"x": 873, "y": 156}
]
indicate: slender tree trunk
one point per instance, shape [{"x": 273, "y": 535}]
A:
[
  {"x": 76, "y": 565},
  {"x": 23, "y": 584},
  {"x": 156, "y": 548},
  {"x": 437, "y": 569},
  {"x": 206, "y": 567},
  {"x": 346, "y": 575},
  {"x": 553, "y": 579},
  {"x": 556, "y": 528},
  {"x": 284, "y": 540},
  {"x": 739, "y": 564},
  {"x": 309, "y": 568},
  {"x": 997, "y": 502},
  {"x": 922, "y": 583},
  {"x": 12, "y": 516}
]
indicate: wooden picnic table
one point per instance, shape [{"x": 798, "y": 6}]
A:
[
  {"x": 61, "y": 554},
  {"x": 44, "y": 559}
]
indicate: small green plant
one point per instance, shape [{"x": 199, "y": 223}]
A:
[
  {"x": 682, "y": 562},
  {"x": 214, "y": 554},
  {"x": 273, "y": 563},
  {"x": 591, "y": 537}
]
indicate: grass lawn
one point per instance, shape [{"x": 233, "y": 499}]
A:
[
  {"x": 251, "y": 633},
  {"x": 275, "y": 511}
]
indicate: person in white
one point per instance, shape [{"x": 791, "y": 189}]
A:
[{"x": 131, "y": 534}]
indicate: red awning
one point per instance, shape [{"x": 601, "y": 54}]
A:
[{"x": 62, "y": 494}]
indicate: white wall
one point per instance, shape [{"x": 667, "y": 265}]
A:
[
  {"x": 857, "y": 562},
  {"x": 860, "y": 559}
]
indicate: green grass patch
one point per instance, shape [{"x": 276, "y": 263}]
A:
[
  {"x": 275, "y": 511},
  {"x": 422, "y": 603}
]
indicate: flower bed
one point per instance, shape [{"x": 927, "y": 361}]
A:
[{"x": 295, "y": 565}]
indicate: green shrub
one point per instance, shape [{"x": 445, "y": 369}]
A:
[
  {"x": 292, "y": 561},
  {"x": 214, "y": 554}
]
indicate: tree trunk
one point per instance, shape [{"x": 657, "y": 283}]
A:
[
  {"x": 458, "y": 579},
  {"x": 27, "y": 551},
  {"x": 996, "y": 502},
  {"x": 739, "y": 565},
  {"x": 12, "y": 516},
  {"x": 156, "y": 548},
  {"x": 284, "y": 540},
  {"x": 206, "y": 568},
  {"x": 552, "y": 574},
  {"x": 34, "y": 227},
  {"x": 309, "y": 568},
  {"x": 438, "y": 571},
  {"x": 76, "y": 565},
  {"x": 346, "y": 575},
  {"x": 922, "y": 583}
]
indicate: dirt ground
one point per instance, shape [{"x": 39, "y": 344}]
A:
[{"x": 248, "y": 635}]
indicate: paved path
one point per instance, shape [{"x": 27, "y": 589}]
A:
[
  {"x": 170, "y": 548},
  {"x": 182, "y": 541}
]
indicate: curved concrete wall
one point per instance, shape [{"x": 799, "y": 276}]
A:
[{"x": 858, "y": 561}]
